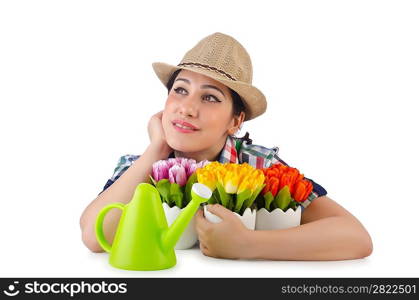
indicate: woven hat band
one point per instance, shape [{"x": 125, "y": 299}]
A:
[{"x": 208, "y": 68}]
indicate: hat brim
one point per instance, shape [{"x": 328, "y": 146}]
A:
[{"x": 253, "y": 98}]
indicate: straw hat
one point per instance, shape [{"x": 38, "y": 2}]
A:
[{"x": 224, "y": 59}]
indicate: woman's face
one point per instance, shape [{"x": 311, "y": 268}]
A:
[{"x": 206, "y": 106}]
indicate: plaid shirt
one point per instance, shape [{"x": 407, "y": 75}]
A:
[{"x": 236, "y": 150}]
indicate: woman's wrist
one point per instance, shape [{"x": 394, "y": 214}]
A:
[
  {"x": 159, "y": 151},
  {"x": 250, "y": 248},
  {"x": 259, "y": 242}
]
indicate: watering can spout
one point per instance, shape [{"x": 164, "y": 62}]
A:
[{"x": 200, "y": 194}]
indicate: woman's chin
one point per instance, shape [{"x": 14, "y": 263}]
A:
[{"x": 181, "y": 146}]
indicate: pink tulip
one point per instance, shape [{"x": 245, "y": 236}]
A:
[
  {"x": 171, "y": 162},
  {"x": 184, "y": 162},
  {"x": 160, "y": 170},
  {"x": 177, "y": 174},
  {"x": 193, "y": 166},
  {"x": 190, "y": 166},
  {"x": 179, "y": 160},
  {"x": 190, "y": 169},
  {"x": 202, "y": 163},
  {"x": 182, "y": 169}
]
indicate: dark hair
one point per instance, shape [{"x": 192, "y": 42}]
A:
[{"x": 238, "y": 104}]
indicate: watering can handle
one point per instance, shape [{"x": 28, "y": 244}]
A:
[{"x": 100, "y": 236}]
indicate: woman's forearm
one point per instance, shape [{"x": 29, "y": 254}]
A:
[
  {"x": 332, "y": 238},
  {"x": 120, "y": 191}
]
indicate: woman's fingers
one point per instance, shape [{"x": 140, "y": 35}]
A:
[
  {"x": 203, "y": 248},
  {"x": 202, "y": 224},
  {"x": 159, "y": 114}
]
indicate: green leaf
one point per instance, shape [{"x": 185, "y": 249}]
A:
[
  {"x": 224, "y": 197},
  {"x": 240, "y": 199},
  {"x": 163, "y": 186},
  {"x": 188, "y": 187},
  {"x": 176, "y": 194},
  {"x": 293, "y": 204},
  {"x": 215, "y": 198},
  {"x": 250, "y": 200},
  {"x": 268, "y": 200},
  {"x": 152, "y": 180},
  {"x": 283, "y": 199},
  {"x": 231, "y": 203},
  {"x": 260, "y": 201}
]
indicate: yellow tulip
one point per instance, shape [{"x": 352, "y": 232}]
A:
[
  {"x": 259, "y": 178},
  {"x": 246, "y": 184},
  {"x": 231, "y": 182},
  {"x": 206, "y": 177},
  {"x": 235, "y": 178},
  {"x": 243, "y": 180},
  {"x": 251, "y": 181}
]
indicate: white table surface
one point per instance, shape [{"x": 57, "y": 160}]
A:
[{"x": 69, "y": 258}]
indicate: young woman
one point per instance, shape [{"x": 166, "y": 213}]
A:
[{"x": 210, "y": 95}]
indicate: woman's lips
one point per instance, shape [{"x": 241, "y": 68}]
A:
[
  {"x": 185, "y": 124},
  {"x": 183, "y": 130}
]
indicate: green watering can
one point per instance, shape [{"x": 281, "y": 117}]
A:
[{"x": 143, "y": 241}]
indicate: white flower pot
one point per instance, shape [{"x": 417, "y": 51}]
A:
[
  {"x": 248, "y": 218},
  {"x": 277, "y": 219},
  {"x": 189, "y": 237}
]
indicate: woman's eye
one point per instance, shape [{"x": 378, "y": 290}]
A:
[
  {"x": 215, "y": 99},
  {"x": 179, "y": 89},
  {"x": 209, "y": 98}
]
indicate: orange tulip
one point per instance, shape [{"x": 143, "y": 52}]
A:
[
  {"x": 272, "y": 185},
  {"x": 303, "y": 189},
  {"x": 277, "y": 176},
  {"x": 286, "y": 180},
  {"x": 272, "y": 173}
]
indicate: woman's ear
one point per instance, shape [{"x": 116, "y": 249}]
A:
[{"x": 237, "y": 123}]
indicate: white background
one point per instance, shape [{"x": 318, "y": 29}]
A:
[{"x": 77, "y": 89}]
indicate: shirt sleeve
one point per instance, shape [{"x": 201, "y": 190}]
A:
[
  {"x": 317, "y": 191},
  {"x": 123, "y": 164}
]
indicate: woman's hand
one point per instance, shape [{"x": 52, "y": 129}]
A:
[
  {"x": 156, "y": 134},
  {"x": 227, "y": 239}
]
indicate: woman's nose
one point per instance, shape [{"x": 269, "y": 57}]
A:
[{"x": 189, "y": 106}]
